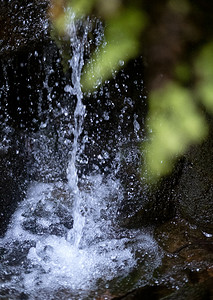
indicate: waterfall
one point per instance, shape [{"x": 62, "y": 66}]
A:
[
  {"x": 64, "y": 240},
  {"x": 76, "y": 63}
]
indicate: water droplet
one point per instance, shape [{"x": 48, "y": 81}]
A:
[
  {"x": 43, "y": 125},
  {"x": 121, "y": 63}
]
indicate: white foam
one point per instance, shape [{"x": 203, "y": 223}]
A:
[{"x": 53, "y": 262}]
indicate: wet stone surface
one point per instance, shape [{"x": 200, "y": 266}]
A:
[
  {"x": 186, "y": 271},
  {"x": 194, "y": 192}
]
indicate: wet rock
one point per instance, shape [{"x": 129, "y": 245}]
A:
[
  {"x": 195, "y": 198},
  {"x": 145, "y": 205},
  {"x": 188, "y": 191},
  {"x": 177, "y": 236},
  {"x": 12, "y": 184},
  {"x": 22, "y": 23},
  {"x": 28, "y": 96},
  {"x": 115, "y": 116},
  {"x": 17, "y": 253},
  {"x": 201, "y": 291},
  {"x": 31, "y": 86},
  {"x": 195, "y": 189},
  {"x": 31, "y": 74},
  {"x": 49, "y": 212},
  {"x": 186, "y": 271},
  {"x": 146, "y": 293},
  {"x": 188, "y": 255}
]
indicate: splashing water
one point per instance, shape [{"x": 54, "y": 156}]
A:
[
  {"x": 39, "y": 258},
  {"x": 64, "y": 240}
]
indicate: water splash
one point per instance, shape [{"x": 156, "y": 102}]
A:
[{"x": 39, "y": 259}]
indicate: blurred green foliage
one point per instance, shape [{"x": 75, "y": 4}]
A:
[
  {"x": 204, "y": 71},
  {"x": 175, "y": 123},
  {"x": 176, "y": 117}
]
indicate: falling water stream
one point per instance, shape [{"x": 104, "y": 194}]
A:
[
  {"x": 64, "y": 239},
  {"x": 76, "y": 64}
]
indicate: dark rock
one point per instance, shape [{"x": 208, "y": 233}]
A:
[
  {"x": 195, "y": 198},
  {"x": 22, "y": 23},
  {"x": 25, "y": 86},
  {"x": 145, "y": 204},
  {"x": 12, "y": 184},
  {"x": 178, "y": 236},
  {"x": 188, "y": 259},
  {"x": 31, "y": 86},
  {"x": 146, "y": 293},
  {"x": 195, "y": 189},
  {"x": 186, "y": 269},
  {"x": 112, "y": 111},
  {"x": 188, "y": 191},
  {"x": 201, "y": 291}
]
